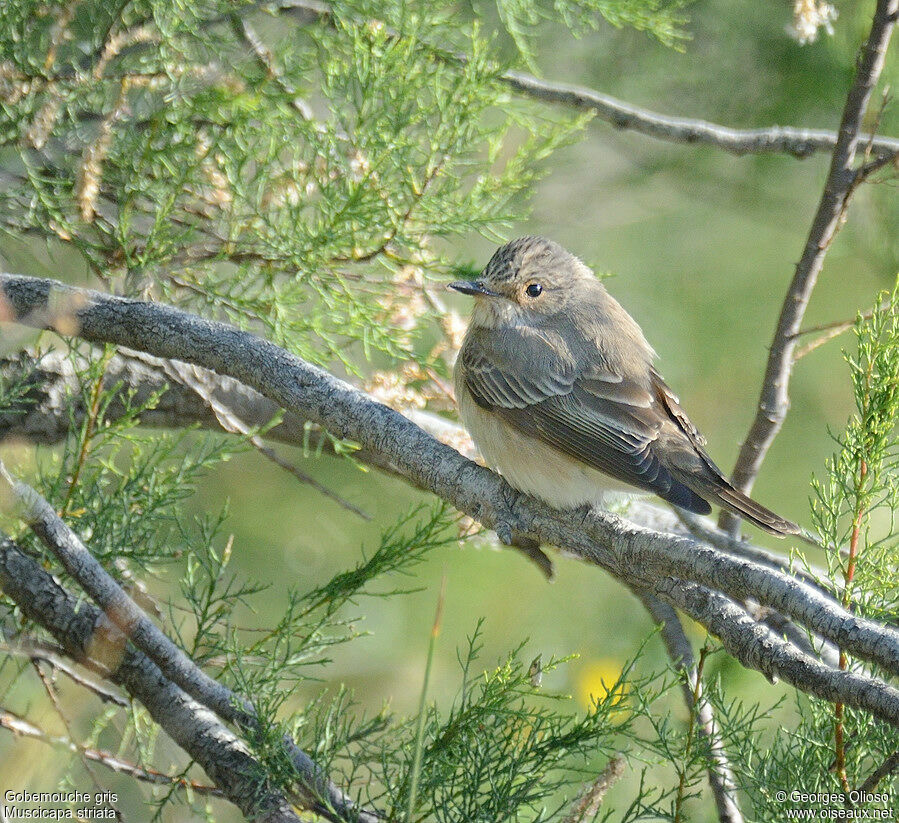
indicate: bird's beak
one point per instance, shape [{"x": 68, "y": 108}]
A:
[{"x": 473, "y": 287}]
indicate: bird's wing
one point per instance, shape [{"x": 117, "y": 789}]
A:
[
  {"x": 515, "y": 368},
  {"x": 590, "y": 411}
]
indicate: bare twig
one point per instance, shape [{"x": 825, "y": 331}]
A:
[
  {"x": 781, "y": 140},
  {"x": 680, "y": 651},
  {"x": 21, "y": 727},
  {"x": 198, "y": 380},
  {"x": 50, "y": 689},
  {"x": 825, "y": 337},
  {"x": 889, "y": 767},
  {"x": 53, "y": 657},
  {"x": 842, "y": 180},
  {"x": 587, "y": 805},
  {"x": 827, "y": 332}
]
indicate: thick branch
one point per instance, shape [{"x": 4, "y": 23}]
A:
[
  {"x": 637, "y": 555},
  {"x": 757, "y": 647},
  {"x": 53, "y": 385},
  {"x": 842, "y": 180}
]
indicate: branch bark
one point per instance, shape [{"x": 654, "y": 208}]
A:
[
  {"x": 842, "y": 181},
  {"x": 697, "y": 578},
  {"x": 52, "y": 379},
  {"x": 799, "y": 143},
  {"x": 23, "y": 728},
  {"x": 680, "y": 651},
  {"x": 319, "y": 793}
]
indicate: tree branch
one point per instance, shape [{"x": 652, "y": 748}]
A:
[
  {"x": 759, "y": 648},
  {"x": 52, "y": 378},
  {"x": 134, "y": 624},
  {"x": 799, "y": 143},
  {"x": 37, "y": 651},
  {"x": 842, "y": 181},
  {"x": 680, "y": 651},
  {"x": 774, "y": 140},
  {"x": 637, "y": 555},
  {"x": 87, "y": 636},
  {"x": 885, "y": 769},
  {"x": 21, "y": 727}
]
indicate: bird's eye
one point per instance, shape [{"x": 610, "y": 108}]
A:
[{"x": 534, "y": 290}]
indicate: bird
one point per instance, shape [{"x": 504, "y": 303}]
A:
[{"x": 557, "y": 387}]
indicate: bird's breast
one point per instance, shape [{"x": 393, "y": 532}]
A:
[{"x": 530, "y": 465}]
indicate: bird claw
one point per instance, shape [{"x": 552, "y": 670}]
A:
[
  {"x": 513, "y": 537},
  {"x": 504, "y": 532}
]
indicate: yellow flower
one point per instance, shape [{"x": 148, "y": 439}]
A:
[{"x": 596, "y": 681}]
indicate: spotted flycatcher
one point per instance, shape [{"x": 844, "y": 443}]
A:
[{"x": 556, "y": 384}]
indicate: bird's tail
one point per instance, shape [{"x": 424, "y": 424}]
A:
[{"x": 744, "y": 506}]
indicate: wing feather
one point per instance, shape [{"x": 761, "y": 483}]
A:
[{"x": 598, "y": 415}]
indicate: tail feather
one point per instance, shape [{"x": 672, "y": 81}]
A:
[{"x": 744, "y": 506}]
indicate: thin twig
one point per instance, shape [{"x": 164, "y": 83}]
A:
[
  {"x": 78, "y": 748},
  {"x": 21, "y": 727},
  {"x": 799, "y": 143},
  {"x": 834, "y": 331},
  {"x": 680, "y": 652},
  {"x": 885, "y": 769},
  {"x": 841, "y": 182},
  {"x": 694, "y": 685},
  {"x": 52, "y": 656},
  {"x": 586, "y": 807},
  {"x": 828, "y": 331},
  {"x": 193, "y": 378}
]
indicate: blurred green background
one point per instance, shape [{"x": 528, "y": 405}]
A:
[{"x": 701, "y": 246}]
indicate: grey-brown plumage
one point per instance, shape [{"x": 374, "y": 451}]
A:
[{"x": 556, "y": 385}]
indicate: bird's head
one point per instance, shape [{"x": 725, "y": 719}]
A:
[{"x": 528, "y": 278}]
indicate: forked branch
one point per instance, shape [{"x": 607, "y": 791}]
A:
[{"x": 842, "y": 181}]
